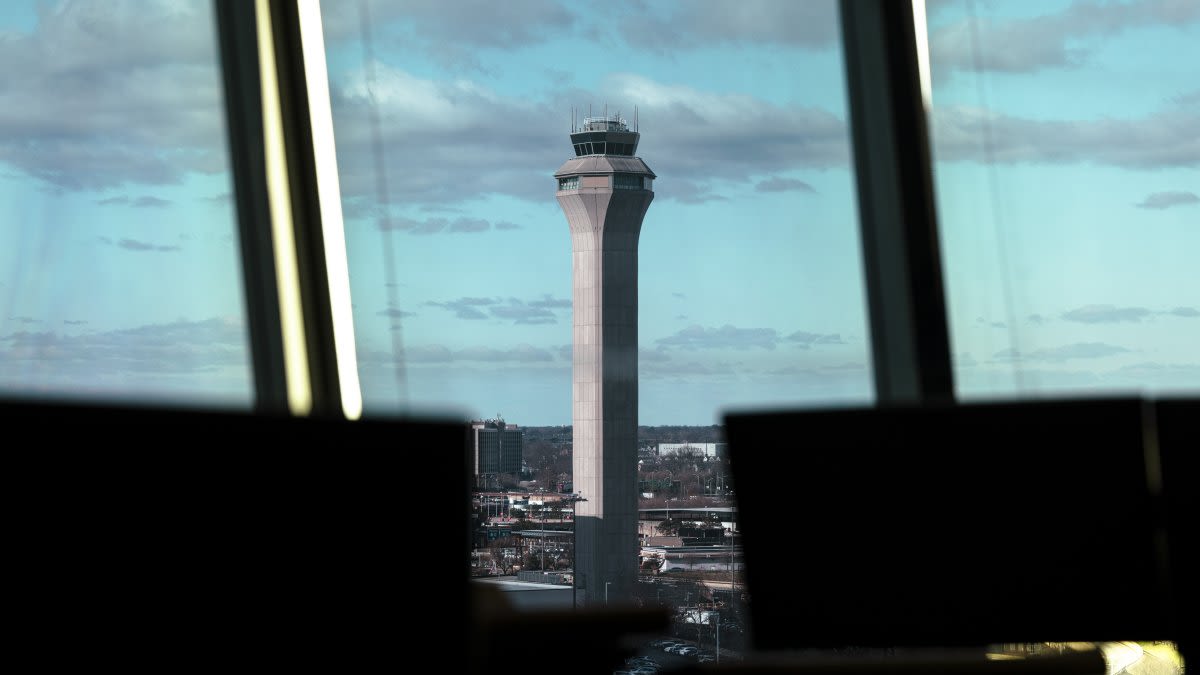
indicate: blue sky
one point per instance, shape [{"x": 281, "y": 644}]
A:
[{"x": 1067, "y": 139}]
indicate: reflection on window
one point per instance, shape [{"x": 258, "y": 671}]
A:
[
  {"x": 1065, "y": 156},
  {"x": 119, "y": 272},
  {"x": 571, "y": 183}
]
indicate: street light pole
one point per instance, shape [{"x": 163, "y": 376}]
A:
[
  {"x": 606, "y": 592},
  {"x": 718, "y": 617},
  {"x": 732, "y": 540},
  {"x": 574, "y": 500}
]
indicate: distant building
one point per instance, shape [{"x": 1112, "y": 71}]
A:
[
  {"x": 497, "y": 447},
  {"x": 700, "y": 450}
]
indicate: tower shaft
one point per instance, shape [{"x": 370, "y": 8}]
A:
[{"x": 605, "y": 199}]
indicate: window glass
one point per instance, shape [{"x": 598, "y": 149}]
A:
[
  {"x": 748, "y": 272},
  {"x": 119, "y": 268},
  {"x": 1066, "y": 155},
  {"x": 750, "y": 285}
]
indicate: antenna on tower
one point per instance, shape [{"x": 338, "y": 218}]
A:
[{"x": 635, "y": 119}]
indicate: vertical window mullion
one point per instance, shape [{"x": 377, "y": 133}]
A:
[
  {"x": 906, "y": 303},
  {"x": 237, "y": 34},
  {"x": 289, "y": 208}
]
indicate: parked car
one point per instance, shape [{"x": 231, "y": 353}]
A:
[{"x": 677, "y": 648}]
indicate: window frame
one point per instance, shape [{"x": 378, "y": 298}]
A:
[{"x": 892, "y": 161}]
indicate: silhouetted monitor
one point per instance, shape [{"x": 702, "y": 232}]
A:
[
  {"x": 951, "y": 526},
  {"x": 143, "y": 535}
]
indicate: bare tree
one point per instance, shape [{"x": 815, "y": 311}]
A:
[
  {"x": 668, "y": 528},
  {"x": 499, "y": 550}
]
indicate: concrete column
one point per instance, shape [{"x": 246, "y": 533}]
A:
[{"x": 605, "y": 226}]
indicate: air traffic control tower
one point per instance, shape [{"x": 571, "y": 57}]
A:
[{"x": 604, "y": 190}]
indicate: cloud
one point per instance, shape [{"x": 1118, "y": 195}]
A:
[
  {"x": 1165, "y": 200},
  {"x": 818, "y": 373},
  {"x": 1106, "y": 314},
  {"x": 1189, "y": 312},
  {"x": 1056, "y": 40},
  {"x": 443, "y": 141},
  {"x": 731, "y": 337},
  {"x": 113, "y": 200},
  {"x": 194, "y": 359},
  {"x": 140, "y": 246},
  {"x": 430, "y": 225},
  {"x": 681, "y": 296},
  {"x": 505, "y": 225},
  {"x": 991, "y": 324},
  {"x": 1167, "y": 138},
  {"x": 71, "y": 322},
  {"x": 523, "y": 353},
  {"x": 427, "y": 354},
  {"x": 1079, "y": 350},
  {"x": 783, "y": 185},
  {"x": 522, "y": 313},
  {"x": 551, "y": 302},
  {"x": 465, "y": 308},
  {"x": 101, "y": 95},
  {"x": 1183, "y": 375},
  {"x": 653, "y": 355},
  {"x": 806, "y": 340},
  {"x": 454, "y": 33},
  {"x": 725, "y": 337},
  {"x": 655, "y": 369},
  {"x": 24, "y": 319},
  {"x": 440, "y": 208},
  {"x": 147, "y": 202},
  {"x": 688, "y": 192},
  {"x": 693, "y": 134},
  {"x": 534, "y": 312},
  {"x": 470, "y": 225},
  {"x": 394, "y": 313},
  {"x": 700, "y": 24},
  {"x": 1037, "y": 319}
]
